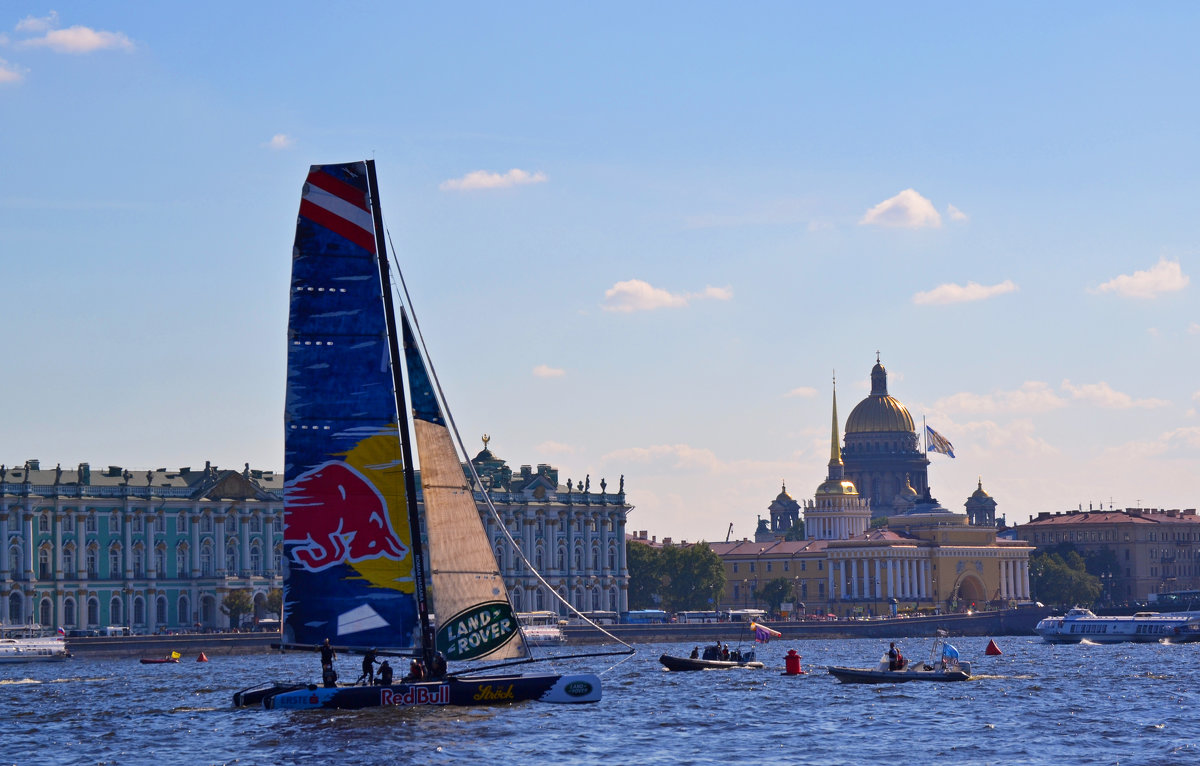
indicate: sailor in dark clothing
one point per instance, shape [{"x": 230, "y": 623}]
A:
[
  {"x": 328, "y": 655},
  {"x": 895, "y": 658},
  {"x": 368, "y": 668},
  {"x": 437, "y": 665},
  {"x": 385, "y": 674},
  {"x": 695, "y": 652}
]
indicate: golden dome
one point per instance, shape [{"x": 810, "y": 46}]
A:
[
  {"x": 879, "y": 412},
  {"x": 836, "y": 487},
  {"x": 980, "y": 493}
]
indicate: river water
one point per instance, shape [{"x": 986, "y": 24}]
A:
[{"x": 1035, "y": 704}]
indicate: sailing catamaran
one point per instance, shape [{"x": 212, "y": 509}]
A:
[{"x": 356, "y": 559}]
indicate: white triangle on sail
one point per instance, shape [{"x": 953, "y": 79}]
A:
[{"x": 358, "y": 619}]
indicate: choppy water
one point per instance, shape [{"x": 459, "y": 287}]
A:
[{"x": 1036, "y": 704}]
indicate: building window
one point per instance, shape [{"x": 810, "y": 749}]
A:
[
  {"x": 68, "y": 523},
  {"x": 44, "y": 522},
  {"x": 735, "y": 567},
  {"x": 93, "y": 563},
  {"x": 44, "y": 564},
  {"x": 90, "y": 524},
  {"x": 138, "y": 523},
  {"x": 114, "y": 563}
]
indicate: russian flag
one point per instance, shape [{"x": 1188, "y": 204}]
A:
[{"x": 61, "y": 632}]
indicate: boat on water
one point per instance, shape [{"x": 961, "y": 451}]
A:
[
  {"x": 30, "y": 643},
  {"x": 541, "y": 628},
  {"x": 361, "y": 549},
  {"x": 1081, "y": 624},
  {"x": 173, "y": 657},
  {"x": 713, "y": 659},
  {"x": 942, "y": 666}
]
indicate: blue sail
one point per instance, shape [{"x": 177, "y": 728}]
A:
[{"x": 347, "y": 544}]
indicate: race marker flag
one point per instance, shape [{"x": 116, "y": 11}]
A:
[
  {"x": 175, "y": 655},
  {"x": 938, "y": 443},
  {"x": 763, "y": 634}
]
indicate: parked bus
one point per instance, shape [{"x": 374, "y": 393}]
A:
[
  {"x": 601, "y": 618},
  {"x": 710, "y": 616},
  {"x": 644, "y": 617},
  {"x": 745, "y": 615}
]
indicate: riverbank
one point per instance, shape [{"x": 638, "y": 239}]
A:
[{"x": 190, "y": 645}]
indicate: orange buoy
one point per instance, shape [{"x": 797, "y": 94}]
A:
[
  {"x": 992, "y": 649},
  {"x": 202, "y": 658}
]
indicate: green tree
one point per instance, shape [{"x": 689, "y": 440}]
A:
[
  {"x": 274, "y": 604},
  {"x": 645, "y": 575},
  {"x": 1063, "y": 580},
  {"x": 773, "y": 593},
  {"x": 237, "y": 604},
  {"x": 796, "y": 532},
  {"x": 693, "y": 577}
]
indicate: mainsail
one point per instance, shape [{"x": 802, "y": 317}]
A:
[
  {"x": 347, "y": 539},
  {"x": 475, "y": 618}
]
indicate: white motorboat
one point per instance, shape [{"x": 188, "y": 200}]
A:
[
  {"x": 28, "y": 643},
  {"x": 1081, "y": 624}
]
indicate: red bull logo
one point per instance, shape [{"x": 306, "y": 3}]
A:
[
  {"x": 415, "y": 695},
  {"x": 335, "y": 515}
]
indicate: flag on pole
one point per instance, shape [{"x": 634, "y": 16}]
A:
[
  {"x": 763, "y": 634},
  {"x": 175, "y": 655},
  {"x": 62, "y": 632},
  {"x": 938, "y": 443}
]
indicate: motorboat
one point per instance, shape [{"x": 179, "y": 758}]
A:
[
  {"x": 712, "y": 659},
  {"x": 28, "y": 643},
  {"x": 942, "y": 666},
  {"x": 1081, "y": 624}
]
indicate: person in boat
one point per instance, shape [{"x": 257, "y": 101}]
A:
[
  {"x": 328, "y": 655},
  {"x": 329, "y": 677},
  {"x": 368, "y": 668},
  {"x": 896, "y": 660},
  {"x": 385, "y": 674},
  {"x": 725, "y": 652},
  {"x": 416, "y": 671},
  {"x": 695, "y": 653},
  {"x": 437, "y": 666}
]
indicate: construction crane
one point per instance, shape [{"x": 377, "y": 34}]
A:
[{"x": 730, "y": 532}]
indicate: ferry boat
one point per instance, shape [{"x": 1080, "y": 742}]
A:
[
  {"x": 541, "y": 628},
  {"x": 27, "y": 643},
  {"x": 1144, "y": 627}
]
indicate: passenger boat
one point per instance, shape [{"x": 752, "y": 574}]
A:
[
  {"x": 29, "y": 643},
  {"x": 361, "y": 551},
  {"x": 541, "y": 628},
  {"x": 1080, "y": 624},
  {"x": 942, "y": 666}
]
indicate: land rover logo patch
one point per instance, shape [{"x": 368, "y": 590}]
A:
[
  {"x": 478, "y": 631},
  {"x": 579, "y": 688}
]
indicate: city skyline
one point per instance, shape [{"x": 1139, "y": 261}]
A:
[{"x": 641, "y": 241}]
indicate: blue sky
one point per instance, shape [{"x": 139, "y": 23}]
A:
[{"x": 640, "y": 237}]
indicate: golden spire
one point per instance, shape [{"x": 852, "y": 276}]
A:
[{"x": 835, "y": 449}]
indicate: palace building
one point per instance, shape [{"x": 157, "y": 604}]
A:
[{"x": 159, "y": 550}]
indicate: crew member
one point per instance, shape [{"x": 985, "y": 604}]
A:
[
  {"x": 368, "y": 668},
  {"x": 385, "y": 674}
]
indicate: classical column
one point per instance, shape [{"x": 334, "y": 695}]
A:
[
  {"x": 56, "y": 561},
  {"x": 27, "y": 517},
  {"x": 891, "y": 577},
  {"x": 127, "y": 550},
  {"x": 244, "y": 531},
  {"x": 222, "y": 562},
  {"x": 195, "y": 552},
  {"x": 854, "y": 578},
  {"x": 5, "y": 564},
  {"x": 81, "y": 572}
]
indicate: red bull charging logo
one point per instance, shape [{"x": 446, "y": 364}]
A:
[{"x": 336, "y": 515}]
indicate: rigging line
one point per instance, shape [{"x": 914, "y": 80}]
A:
[{"x": 406, "y": 299}]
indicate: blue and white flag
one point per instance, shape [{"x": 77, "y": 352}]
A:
[{"x": 938, "y": 443}]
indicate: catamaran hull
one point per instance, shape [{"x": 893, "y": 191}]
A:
[{"x": 466, "y": 692}]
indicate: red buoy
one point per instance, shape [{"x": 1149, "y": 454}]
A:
[
  {"x": 791, "y": 664},
  {"x": 201, "y": 658},
  {"x": 992, "y": 649}
]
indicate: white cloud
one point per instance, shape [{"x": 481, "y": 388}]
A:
[
  {"x": 955, "y": 214},
  {"x": 79, "y": 39},
  {"x": 805, "y": 392},
  {"x": 482, "y": 179},
  {"x": 554, "y": 448},
  {"x": 637, "y": 295},
  {"x": 10, "y": 72},
  {"x": 1103, "y": 395},
  {"x": 545, "y": 371},
  {"x": 35, "y": 25},
  {"x": 1164, "y": 277},
  {"x": 281, "y": 141},
  {"x": 907, "y": 210},
  {"x": 971, "y": 291},
  {"x": 1032, "y": 396}
]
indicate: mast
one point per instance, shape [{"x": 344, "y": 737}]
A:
[{"x": 410, "y": 484}]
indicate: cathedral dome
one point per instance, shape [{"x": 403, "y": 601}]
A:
[
  {"x": 837, "y": 487},
  {"x": 879, "y": 412},
  {"x": 980, "y": 493}
]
